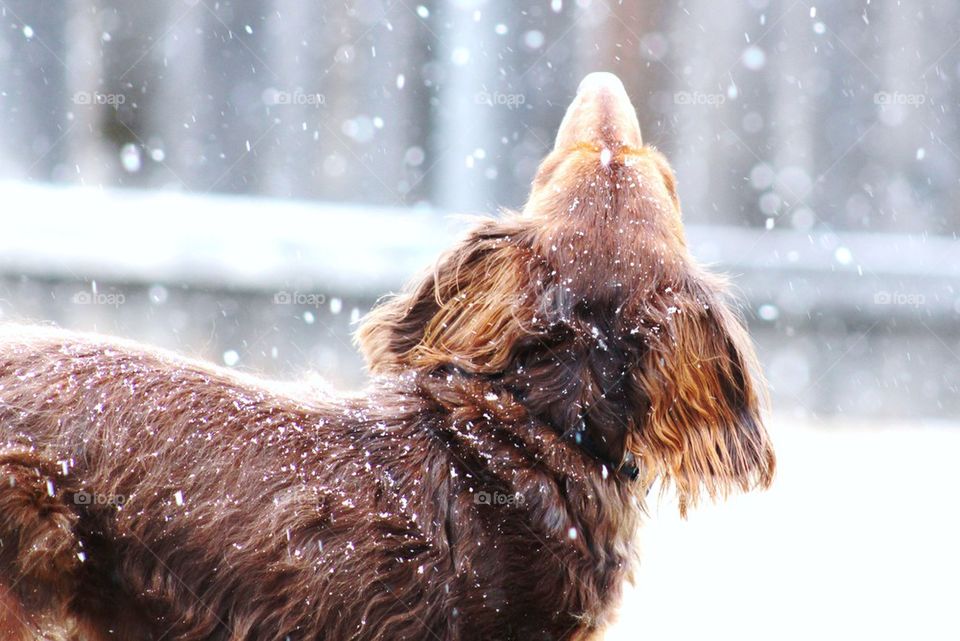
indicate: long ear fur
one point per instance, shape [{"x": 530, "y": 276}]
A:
[
  {"x": 467, "y": 312},
  {"x": 704, "y": 428}
]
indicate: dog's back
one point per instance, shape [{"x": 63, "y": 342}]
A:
[{"x": 137, "y": 475}]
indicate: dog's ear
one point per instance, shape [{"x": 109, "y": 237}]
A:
[
  {"x": 468, "y": 311},
  {"x": 704, "y": 397}
]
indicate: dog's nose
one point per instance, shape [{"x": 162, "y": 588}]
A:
[
  {"x": 599, "y": 80},
  {"x": 600, "y": 114}
]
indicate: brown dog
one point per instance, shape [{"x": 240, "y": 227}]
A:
[{"x": 488, "y": 485}]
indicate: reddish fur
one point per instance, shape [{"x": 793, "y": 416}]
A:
[{"x": 355, "y": 517}]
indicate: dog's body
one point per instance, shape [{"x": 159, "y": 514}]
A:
[
  {"x": 488, "y": 485},
  {"x": 247, "y": 514}
]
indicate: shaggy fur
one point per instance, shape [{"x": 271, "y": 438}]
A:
[{"x": 487, "y": 485}]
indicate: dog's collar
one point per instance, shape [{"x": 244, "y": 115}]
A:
[{"x": 626, "y": 467}]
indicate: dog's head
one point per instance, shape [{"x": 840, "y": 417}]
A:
[{"x": 588, "y": 307}]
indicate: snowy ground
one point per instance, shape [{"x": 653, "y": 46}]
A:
[{"x": 858, "y": 539}]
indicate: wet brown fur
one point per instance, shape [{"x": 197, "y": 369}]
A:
[{"x": 544, "y": 355}]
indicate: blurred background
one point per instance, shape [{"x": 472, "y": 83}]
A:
[{"x": 241, "y": 180}]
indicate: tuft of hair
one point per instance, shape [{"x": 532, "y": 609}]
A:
[{"x": 467, "y": 311}]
